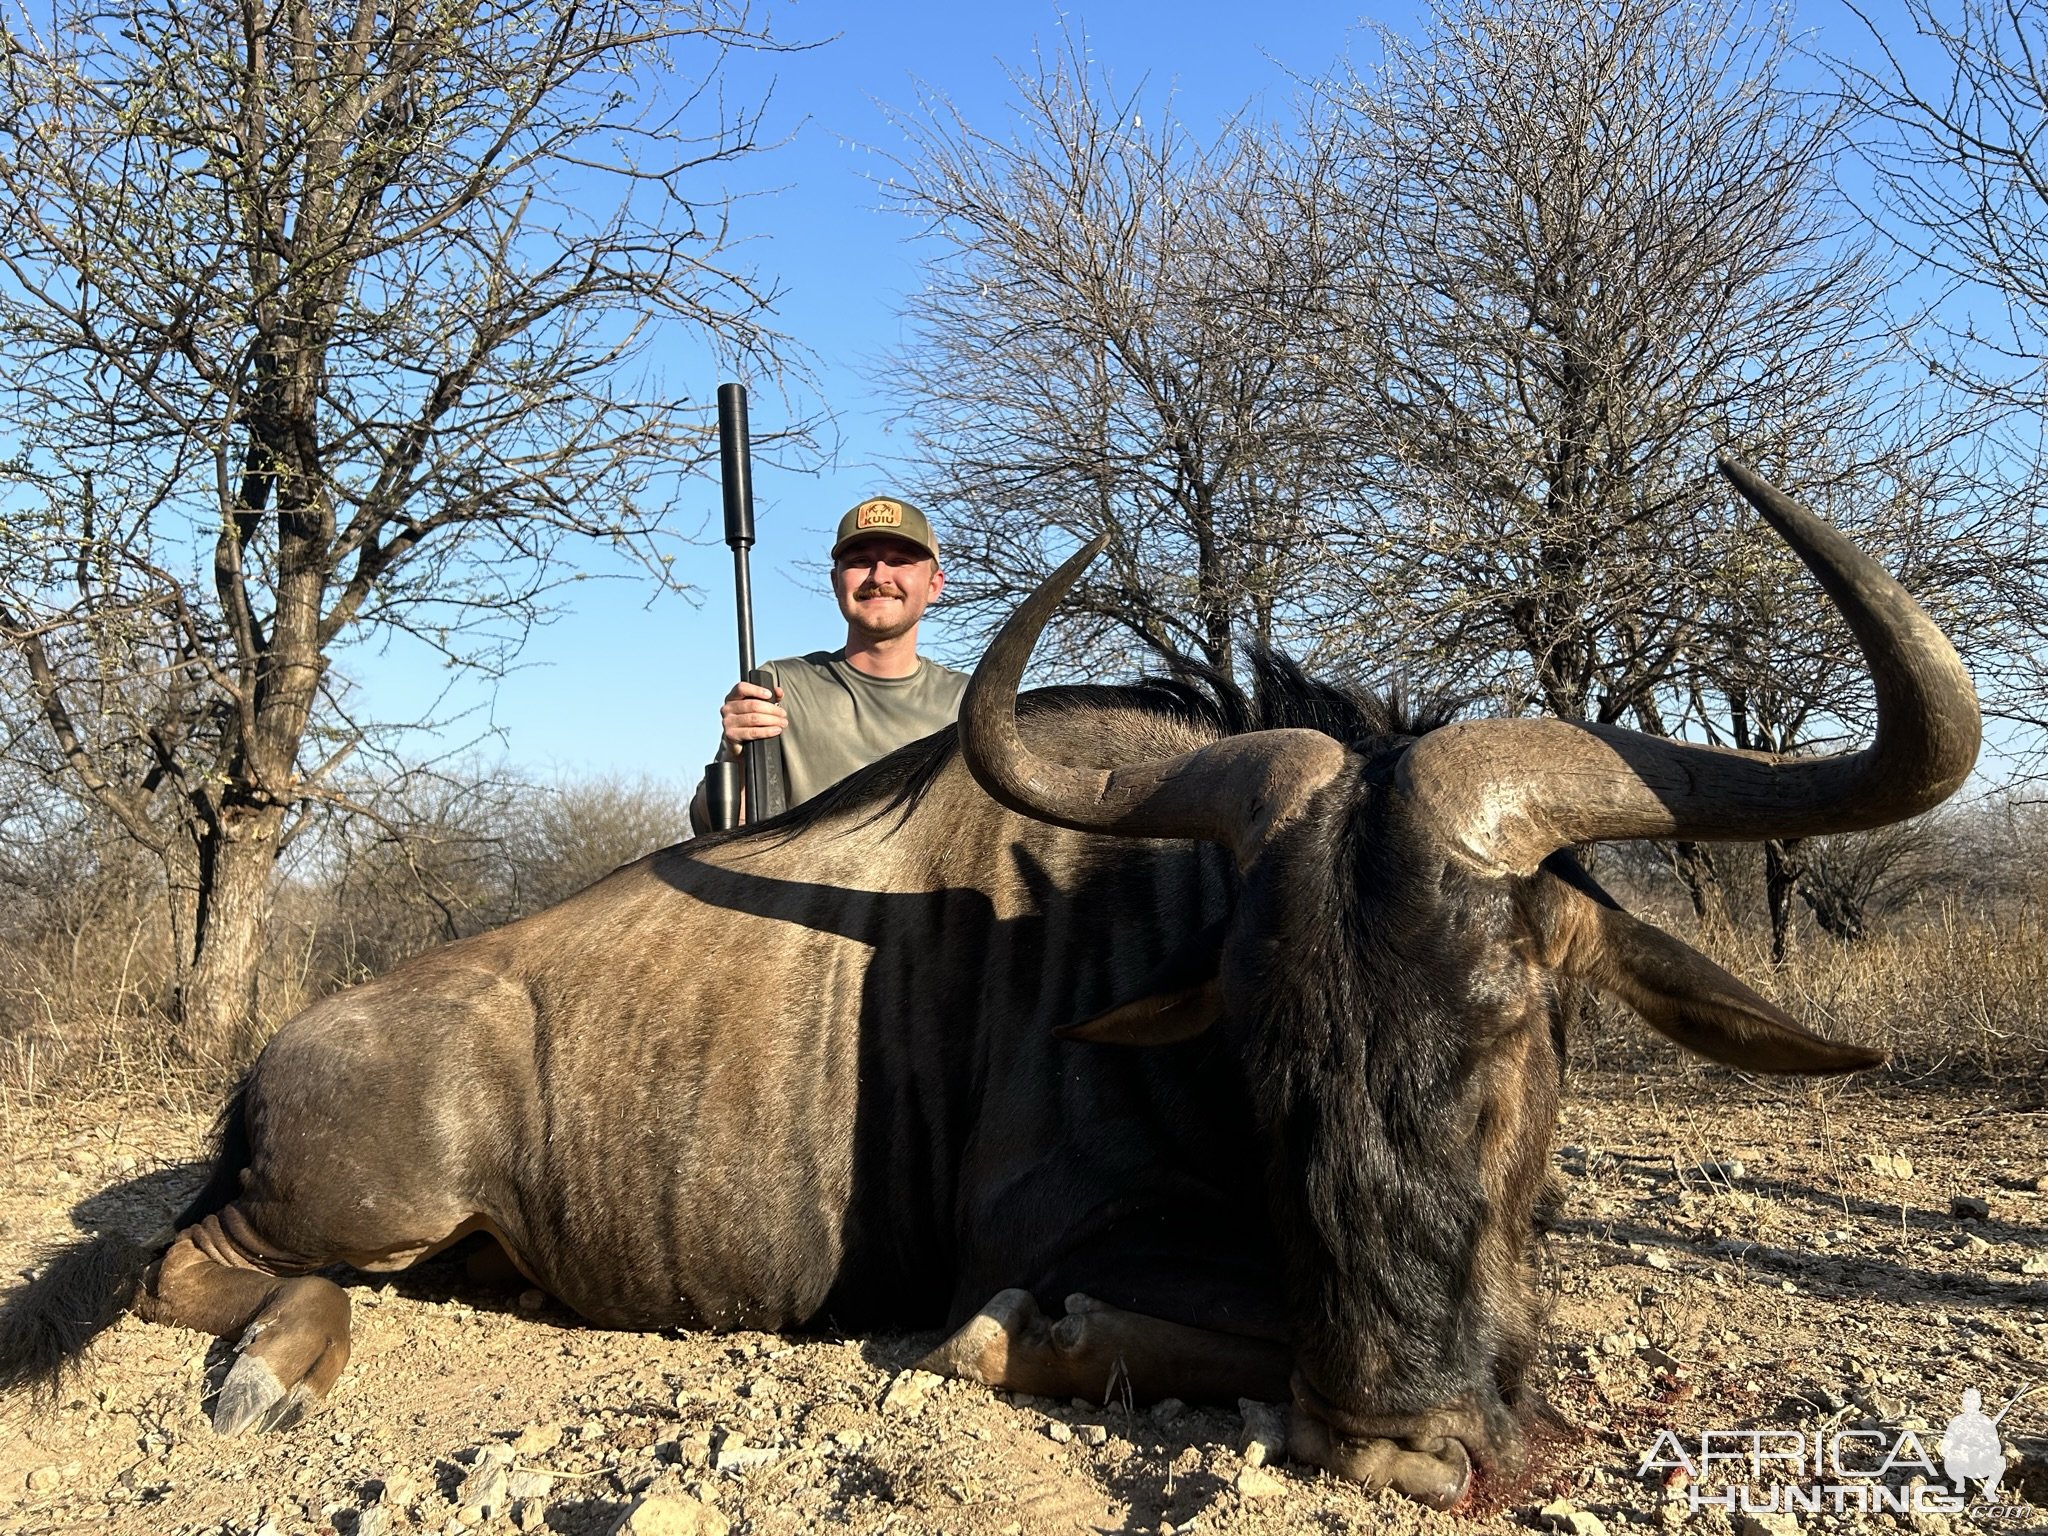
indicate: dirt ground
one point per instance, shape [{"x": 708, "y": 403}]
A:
[{"x": 1733, "y": 1255}]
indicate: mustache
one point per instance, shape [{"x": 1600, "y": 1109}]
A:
[{"x": 877, "y": 589}]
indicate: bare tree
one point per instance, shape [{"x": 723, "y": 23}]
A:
[
  {"x": 1961, "y": 177},
  {"x": 1118, "y": 333},
  {"x": 1955, "y": 136},
  {"x": 1431, "y": 380},
  {"x": 1765, "y": 671},
  {"x": 326, "y": 319},
  {"x": 1606, "y": 245}
]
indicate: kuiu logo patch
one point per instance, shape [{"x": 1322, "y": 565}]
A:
[{"x": 879, "y": 514}]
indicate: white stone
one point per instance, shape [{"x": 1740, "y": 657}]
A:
[
  {"x": 1256, "y": 1482},
  {"x": 672, "y": 1514},
  {"x": 484, "y": 1490},
  {"x": 536, "y": 1438},
  {"x": 1263, "y": 1438},
  {"x": 530, "y": 1484},
  {"x": 907, "y": 1393}
]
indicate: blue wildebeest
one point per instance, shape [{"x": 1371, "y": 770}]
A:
[{"x": 857, "y": 1066}]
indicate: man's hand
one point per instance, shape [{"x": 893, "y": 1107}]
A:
[{"x": 750, "y": 713}]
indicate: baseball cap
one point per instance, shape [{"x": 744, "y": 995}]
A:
[{"x": 890, "y": 515}]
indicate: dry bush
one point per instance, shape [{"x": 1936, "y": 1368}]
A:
[
  {"x": 1955, "y": 991},
  {"x": 1948, "y": 967},
  {"x": 566, "y": 836},
  {"x": 1959, "y": 990},
  {"x": 85, "y": 956},
  {"x": 463, "y": 855},
  {"x": 85, "y": 946},
  {"x": 430, "y": 872}
]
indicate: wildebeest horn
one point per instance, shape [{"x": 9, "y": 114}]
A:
[
  {"x": 1510, "y": 792},
  {"x": 1233, "y": 792}
]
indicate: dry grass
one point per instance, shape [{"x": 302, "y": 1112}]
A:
[
  {"x": 61, "y": 1043},
  {"x": 1948, "y": 992},
  {"x": 83, "y": 988},
  {"x": 1956, "y": 991}
]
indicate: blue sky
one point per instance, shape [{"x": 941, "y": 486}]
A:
[{"x": 619, "y": 684}]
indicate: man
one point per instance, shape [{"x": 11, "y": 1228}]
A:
[{"x": 836, "y": 711}]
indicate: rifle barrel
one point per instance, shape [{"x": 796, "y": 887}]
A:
[
  {"x": 766, "y": 790},
  {"x": 736, "y": 478}
]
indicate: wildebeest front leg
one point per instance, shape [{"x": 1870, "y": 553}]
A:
[
  {"x": 291, "y": 1331},
  {"x": 1098, "y": 1351}
]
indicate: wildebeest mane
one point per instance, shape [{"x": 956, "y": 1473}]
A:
[{"x": 1282, "y": 697}]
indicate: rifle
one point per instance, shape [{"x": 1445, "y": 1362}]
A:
[{"x": 766, "y": 795}]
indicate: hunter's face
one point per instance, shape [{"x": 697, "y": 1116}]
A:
[{"x": 884, "y": 585}]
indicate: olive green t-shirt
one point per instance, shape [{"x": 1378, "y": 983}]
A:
[{"x": 841, "y": 719}]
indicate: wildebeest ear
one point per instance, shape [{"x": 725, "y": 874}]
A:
[
  {"x": 1180, "y": 999},
  {"x": 1160, "y": 1018},
  {"x": 1686, "y": 997}
]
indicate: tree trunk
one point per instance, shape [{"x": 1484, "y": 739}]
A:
[
  {"x": 1694, "y": 865},
  {"x": 1781, "y": 880},
  {"x": 180, "y": 862},
  {"x": 217, "y": 1007}
]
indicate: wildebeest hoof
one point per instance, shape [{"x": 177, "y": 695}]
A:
[
  {"x": 1437, "y": 1472},
  {"x": 1071, "y": 1333},
  {"x": 980, "y": 1349},
  {"x": 253, "y": 1397}
]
